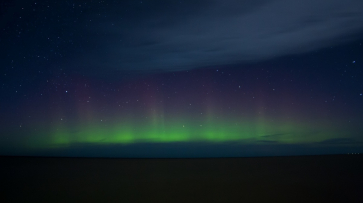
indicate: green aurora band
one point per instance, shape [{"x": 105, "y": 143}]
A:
[{"x": 160, "y": 130}]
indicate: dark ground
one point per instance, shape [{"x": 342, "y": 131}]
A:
[{"x": 331, "y": 178}]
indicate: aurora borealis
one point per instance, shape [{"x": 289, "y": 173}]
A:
[
  {"x": 61, "y": 90},
  {"x": 200, "y": 106}
]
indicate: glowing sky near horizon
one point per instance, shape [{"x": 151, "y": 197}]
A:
[{"x": 209, "y": 106}]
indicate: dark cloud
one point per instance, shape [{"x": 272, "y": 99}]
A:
[
  {"x": 216, "y": 33},
  {"x": 341, "y": 141},
  {"x": 184, "y": 150},
  {"x": 274, "y": 136}
]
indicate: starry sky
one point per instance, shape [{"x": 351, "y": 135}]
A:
[{"x": 181, "y": 78}]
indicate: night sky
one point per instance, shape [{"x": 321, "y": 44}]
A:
[{"x": 201, "y": 78}]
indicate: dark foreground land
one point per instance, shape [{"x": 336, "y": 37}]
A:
[{"x": 333, "y": 178}]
